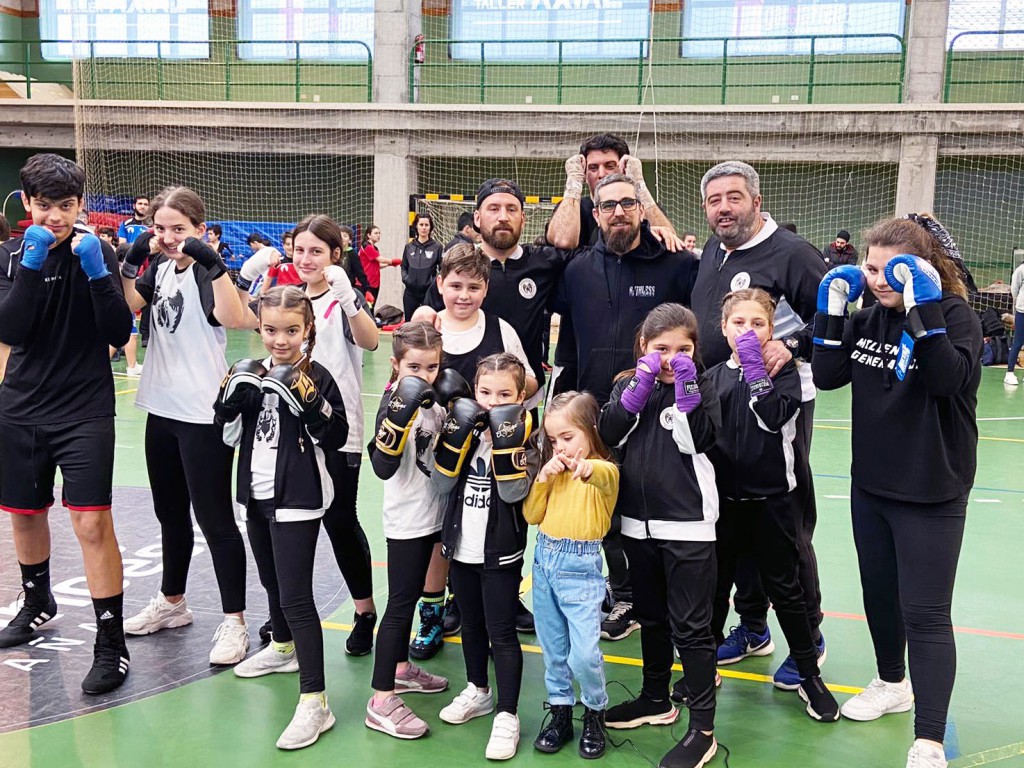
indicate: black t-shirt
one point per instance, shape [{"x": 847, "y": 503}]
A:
[{"x": 59, "y": 325}]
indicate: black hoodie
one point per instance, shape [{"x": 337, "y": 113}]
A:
[
  {"x": 914, "y": 440},
  {"x": 607, "y": 297}
]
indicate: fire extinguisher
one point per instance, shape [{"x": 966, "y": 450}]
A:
[{"x": 420, "y": 50}]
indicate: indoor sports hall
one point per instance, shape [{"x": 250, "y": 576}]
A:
[{"x": 850, "y": 110}]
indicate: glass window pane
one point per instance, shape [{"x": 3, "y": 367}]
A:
[{"x": 273, "y": 21}]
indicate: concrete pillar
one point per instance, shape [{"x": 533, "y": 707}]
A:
[
  {"x": 915, "y": 184},
  {"x": 926, "y": 51},
  {"x": 394, "y": 179},
  {"x": 396, "y": 24}
]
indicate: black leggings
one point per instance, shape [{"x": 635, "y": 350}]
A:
[
  {"x": 284, "y": 554},
  {"x": 620, "y": 580},
  {"x": 407, "y": 568},
  {"x": 673, "y": 586},
  {"x": 751, "y": 601},
  {"x": 189, "y": 464},
  {"x": 411, "y": 302},
  {"x": 351, "y": 549},
  {"x": 908, "y": 555},
  {"x": 488, "y": 599},
  {"x": 765, "y": 531}
]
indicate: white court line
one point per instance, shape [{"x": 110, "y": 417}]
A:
[
  {"x": 985, "y": 418},
  {"x": 987, "y": 501},
  {"x": 836, "y": 497}
]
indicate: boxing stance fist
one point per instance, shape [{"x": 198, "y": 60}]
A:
[
  {"x": 244, "y": 378},
  {"x": 37, "y": 242},
  {"x": 687, "y": 391},
  {"x": 449, "y": 385},
  {"x": 411, "y": 394},
  {"x": 915, "y": 278},
  {"x": 464, "y": 417},
  {"x": 256, "y": 265},
  {"x": 299, "y": 391},
  {"x": 511, "y": 426},
  {"x": 838, "y": 288},
  {"x": 145, "y": 245},
  {"x": 751, "y": 357},
  {"x": 635, "y": 395},
  {"x": 87, "y": 248},
  {"x": 204, "y": 256}
]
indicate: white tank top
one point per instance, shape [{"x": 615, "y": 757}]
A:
[{"x": 185, "y": 361}]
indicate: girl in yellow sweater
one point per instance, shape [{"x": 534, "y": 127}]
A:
[{"x": 572, "y": 501}]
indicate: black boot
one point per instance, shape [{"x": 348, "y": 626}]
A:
[
  {"x": 592, "y": 740},
  {"x": 558, "y": 730}
]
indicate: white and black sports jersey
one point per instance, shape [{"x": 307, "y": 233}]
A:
[{"x": 185, "y": 361}]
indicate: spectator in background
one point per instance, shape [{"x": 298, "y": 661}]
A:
[
  {"x": 109, "y": 235},
  {"x": 138, "y": 223},
  {"x": 466, "y": 234},
  {"x": 839, "y": 251},
  {"x": 256, "y": 241},
  {"x": 1017, "y": 289},
  {"x": 690, "y": 243},
  {"x": 350, "y": 261},
  {"x": 421, "y": 261},
  {"x": 287, "y": 239},
  {"x": 373, "y": 262},
  {"x": 214, "y": 233}
]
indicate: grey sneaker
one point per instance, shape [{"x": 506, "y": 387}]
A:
[
  {"x": 267, "y": 662},
  {"x": 311, "y": 718},
  {"x": 394, "y": 718},
  {"x": 417, "y": 680}
]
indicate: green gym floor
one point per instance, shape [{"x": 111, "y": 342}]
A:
[{"x": 219, "y": 719}]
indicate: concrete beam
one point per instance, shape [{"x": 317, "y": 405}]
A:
[
  {"x": 926, "y": 51},
  {"x": 394, "y": 180},
  {"x": 915, "y": 181}
]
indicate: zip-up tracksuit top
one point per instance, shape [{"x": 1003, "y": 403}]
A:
[
  {"x": 420, "y": 265},
  {"x": 914, "y": 440},
  {"x": 302, "y": 486},
  {"x": 607, "y": 297},
  {"x": 753, "y": 454},
  {"x": 505, "y": 540},
  {"x": 666, "y": 482}
]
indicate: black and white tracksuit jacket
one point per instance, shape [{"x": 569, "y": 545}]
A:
[{"x": 667, "y": 483}]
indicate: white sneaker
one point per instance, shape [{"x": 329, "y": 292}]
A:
[
  {"x": 1010, "y": 379},
  {"x": 923, "y": 755},
  {"x": 268, "y": 661},
  {"x": 311, "y": 718},
  {"x": 471, "y": 703},
  {"x": 159, "y": 614},
  {"x": 879, "y": 698},
  {"x": 230, "y": 641},
  {"x": 134, "y": 370},
  {"x": 504, "y": 737}
]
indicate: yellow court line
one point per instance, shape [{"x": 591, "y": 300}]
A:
[
  {"x": 989, "y": 756},
  {"x": 126, "y": 391},
  {"x": 631, "y": 662},
  {"x": 981, "y": 437},
  {"x": 526, "y": 584}
]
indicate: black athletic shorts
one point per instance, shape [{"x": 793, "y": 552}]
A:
[{"x": 30, "y": 456}]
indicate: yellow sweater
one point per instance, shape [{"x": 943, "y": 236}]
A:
[{"x": 580, "y": 510}]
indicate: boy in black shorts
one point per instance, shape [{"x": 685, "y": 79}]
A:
[{"x": 60, "y": 310}]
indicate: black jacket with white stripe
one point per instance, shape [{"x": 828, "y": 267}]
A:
[{"x": 666, "y": 483}]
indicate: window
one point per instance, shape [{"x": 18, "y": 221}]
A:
[
  {"x": 596, "y": 27},
  {"x": 788, "y": 18},
  {"x": 125, "y": 28},
  {"x": 985, "y": 18},
  {"x": 306, "y": 29}
]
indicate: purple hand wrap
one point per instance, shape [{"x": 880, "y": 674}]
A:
[
  {"x": 635, "y": 395},
  {"x": 748, "y": 350},
  {"x": 687, "y": 391}
]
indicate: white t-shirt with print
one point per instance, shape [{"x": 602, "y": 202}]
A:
[{"x": 476, "y": 505}]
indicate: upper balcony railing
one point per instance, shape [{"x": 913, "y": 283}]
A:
[
  {"x": 232, "y": 70},
  {"x": 991, "y": 74},
  {"x": 726, "y": 70}
]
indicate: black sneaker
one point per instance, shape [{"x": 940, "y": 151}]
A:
[
  {"x": 680, "y": 695},
  {"x": 592, "y": 742},
  {"x": 524, "y": 619},
  {"x": 451, "y": 617},
  {"x": 265, "y": 632},
  {"x": 695, "y": 750},
  {"x": 109, "y": 665},
  {"x": 557, "y": 731},
  {"x": 608, "y": 601},
  {"x": 641, "y": 710},
  {"x": 23, "y": 626},
  {"x": 620, "y": 622},
  {"x": 360, "y": 639},
  {"x": 821, "y": 705}
]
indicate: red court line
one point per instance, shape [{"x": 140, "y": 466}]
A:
[{"x": 960, "y": 630}]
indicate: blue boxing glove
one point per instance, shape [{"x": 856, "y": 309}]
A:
[
  {"x": 87, "y": 248},
  {"x": 915, "y": 278},
  {"x": 838, "y": 288},
  {"x": 36, "y": 246}
]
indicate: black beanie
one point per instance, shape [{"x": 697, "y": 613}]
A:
[{"x": 842, "y": 234}]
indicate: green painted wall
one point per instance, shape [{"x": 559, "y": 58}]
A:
[{"x": 11, "y": 162}]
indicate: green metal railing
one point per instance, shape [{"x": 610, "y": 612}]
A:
[
  {"x": 993, "y": 61},
  {"x": 301, "y": 74},
  {"x": 727, "y": 73}
]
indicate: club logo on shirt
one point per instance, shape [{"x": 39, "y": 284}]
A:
[
  {"x": 667, "y": 419},
  {"x": 266, "y": 426},
  {"x": 642, "y": 291},
  {"x": 527, "y": 288},
  {"x": 740, "y": 281}
]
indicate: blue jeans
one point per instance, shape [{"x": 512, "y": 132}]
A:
[{"x": 567, "y": 592}]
